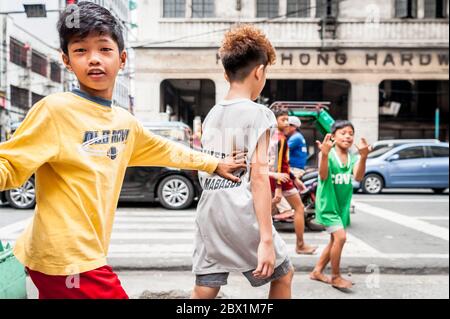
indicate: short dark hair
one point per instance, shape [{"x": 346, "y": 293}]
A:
[
  {"x": 245, "y": 47},
  {"x": 93, "y": 19},
  {"x": 280, "y": 111},
  {"x": 338, "y": 125}
]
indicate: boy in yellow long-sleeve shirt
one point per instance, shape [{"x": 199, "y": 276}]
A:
[{"x": 79, "y": 147}]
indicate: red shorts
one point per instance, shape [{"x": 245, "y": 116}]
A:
[
  {"x": 100, "y": 283},
  {"x": 284, "y": 186}
]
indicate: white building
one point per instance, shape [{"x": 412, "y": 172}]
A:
[
  {"x": 30, "y": 69},
  {"x": 366, "y": 57},
  {"x": 30, "y": 61}
]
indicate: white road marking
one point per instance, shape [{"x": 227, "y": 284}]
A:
[
  {"x": 403, "y": 220},
  {"x": 402, "y": 200},
  {"x": 12, "y": 229},
  {"x": 431, "y": 217},
  {"x": 148, "y": 235},
  {"x": 156, "y": 214},
  {"x": 154, "y": 219},
  {"x": 153, "y": 226}
]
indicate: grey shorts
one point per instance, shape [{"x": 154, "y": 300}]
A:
[{"x": 221, "y": 279}]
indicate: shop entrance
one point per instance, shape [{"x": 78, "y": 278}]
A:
[
  {"x": 184, "y": 100},
  {"x": 334, "y": 91},
  {"x": 408, "y": 109}
]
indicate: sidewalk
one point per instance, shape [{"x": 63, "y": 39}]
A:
[{"x": 175, "y": 284}]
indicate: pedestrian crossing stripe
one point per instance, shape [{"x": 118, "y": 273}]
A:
[{"x": 170, "y": 235}]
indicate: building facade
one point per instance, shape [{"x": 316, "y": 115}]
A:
[
  {"x": 30, "y": 69},
  {"x": 383, "y": 64},
  {"x": 31, "y": 66}
]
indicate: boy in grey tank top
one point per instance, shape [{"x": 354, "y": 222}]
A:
[{"x": 234, "y": 231}]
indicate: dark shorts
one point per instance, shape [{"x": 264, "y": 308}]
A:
[{"x": 221, "y": 279}]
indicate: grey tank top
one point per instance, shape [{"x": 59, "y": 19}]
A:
[{"x": 227, "y": 232}]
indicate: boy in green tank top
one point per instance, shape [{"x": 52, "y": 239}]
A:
[{"x": 337, "y": 166}]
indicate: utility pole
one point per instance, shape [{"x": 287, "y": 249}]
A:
[{"x": 5, "y": 114}]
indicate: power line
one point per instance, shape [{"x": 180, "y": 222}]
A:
[{"x": 272, "y": 19}]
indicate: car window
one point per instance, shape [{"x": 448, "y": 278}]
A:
[
  {"x": 380, "y": 151},
  {"x": 411, "y": 153},
  {"x": 177, "y": 135},
  {"x": 437, "y": 151}
]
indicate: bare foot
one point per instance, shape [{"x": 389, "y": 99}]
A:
[
  {"x": 306, "y": 250},
  {"x": 341, "y": 283},
  {"x": 318, "y": 276}
]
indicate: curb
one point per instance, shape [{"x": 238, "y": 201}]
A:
[{"x": 357, "y": 270}]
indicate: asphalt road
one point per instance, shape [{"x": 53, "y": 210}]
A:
[{"x": 392, "y": 233}]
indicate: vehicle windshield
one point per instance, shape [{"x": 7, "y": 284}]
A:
[{"x": 380, "y": 151}]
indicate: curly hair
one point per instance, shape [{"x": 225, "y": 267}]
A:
[{"x": 245, "y": 47}]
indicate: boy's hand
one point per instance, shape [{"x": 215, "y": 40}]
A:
[
  {"x": 364, "y": 148},
  {"x": 283, "y": 177},
  {"x": 326, "y": 146},
  {"x": 266, "y": 260},
  {"x": 234, "y": 163},
  {"x": 300, "y": 185},
  {"x": 278, "y": 196}
]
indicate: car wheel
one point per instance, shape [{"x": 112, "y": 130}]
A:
[
  {"x": 23, "y": 197},
  {"x": 372, "y": 184},
  {"x": 439, "y": 190},
  {"x": 176, "y": 192}
]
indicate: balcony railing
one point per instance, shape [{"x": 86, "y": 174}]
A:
[{"x": 305, "y": 33}]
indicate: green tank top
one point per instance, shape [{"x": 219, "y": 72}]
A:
[{"x": 334, "y": 195}]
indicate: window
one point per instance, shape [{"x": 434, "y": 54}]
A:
[
  {"x": 406, "y": 8},
  {"x": 55, "y": 72},
  {"x": 19, "y": 97},
  {"x": 17, "y": 53},
  {"x": 437, "y": 151},
  {"x": 326, "y": 8},
  {"x": 36, "y": 98},
  {"x": 299, "y": 8},
  {"x": 412, "y": 153},
  {"x": 268, "y": 8},
  {"x": 203, "y": 8},
  {"x": 377, "y": 152},
  {"x": 174, "y": 9},
  {"x": 38, "y": 63},
  {"x": 435, "y": 9}
]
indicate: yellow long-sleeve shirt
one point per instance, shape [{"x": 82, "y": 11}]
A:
[{"x": 79, "y": 151}]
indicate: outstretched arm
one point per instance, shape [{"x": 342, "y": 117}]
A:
[
  {"x": 260, "y": 187},
  {"x": 152, "y": 150},
  {"x": 35, "y": 142}
]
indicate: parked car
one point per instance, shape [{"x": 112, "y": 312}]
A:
[
  {"x": 410, "y": 165},
  {"x": 23, "y": 197},
  {"x": 174, "y": 188},
  {"x": 381, "y": 147}
]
